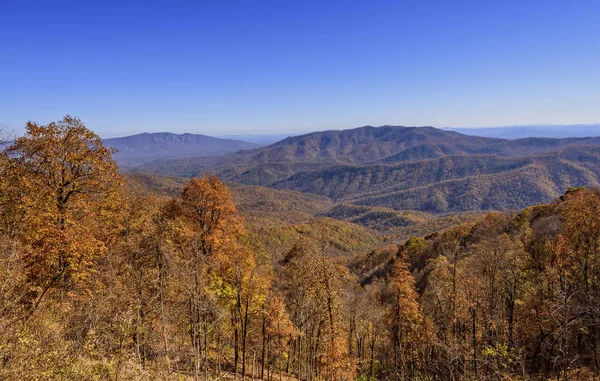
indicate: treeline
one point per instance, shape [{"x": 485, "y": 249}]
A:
[{"x": 100, "y": 280}]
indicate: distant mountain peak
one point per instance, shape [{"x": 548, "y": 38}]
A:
[
  {"x": 145, "y": 147},
  {"x": 531, "y": 131}
]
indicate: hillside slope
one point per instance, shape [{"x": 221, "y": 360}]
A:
[{"x": 456, "y": 183}]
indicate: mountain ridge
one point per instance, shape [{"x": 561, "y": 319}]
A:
[
  {"x": 409, "y": 168},
  {"x": 141, "y": 148},
  {"x": 352, "y": 146},
  {"x": 531, "y": 130}
]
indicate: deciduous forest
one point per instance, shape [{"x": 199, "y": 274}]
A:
[{"x": 103, "y": 278}]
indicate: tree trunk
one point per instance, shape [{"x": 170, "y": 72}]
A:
[
  {"x": 372, "y": 355},
  {"x": 262, "y": 355},
  {"x": 161, "y": 277},
  {"x": 235, "y": 351},
  {"x": 298, "y": 374},
  {"x": 474, "y": 327}
]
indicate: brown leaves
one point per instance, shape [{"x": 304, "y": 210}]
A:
[
  {"x": 209, "y": 215},
  {"x": 62, "y": 196}
]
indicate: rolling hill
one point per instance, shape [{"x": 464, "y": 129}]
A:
[
  {"x": 456, "y": 183},
  {"x": 280, "y": 217}
]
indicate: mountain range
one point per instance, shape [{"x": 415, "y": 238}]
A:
[
  {"x": 138, "y": 149},
  {"x": 260, "y": 139},
  {"x": 532, "y": 130},
  {"x": 407, "y": 168}
]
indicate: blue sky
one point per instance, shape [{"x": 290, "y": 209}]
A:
[{"x": 226, "y": 67}]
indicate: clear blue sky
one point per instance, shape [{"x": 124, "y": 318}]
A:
[{"x": 220, "y": 67}]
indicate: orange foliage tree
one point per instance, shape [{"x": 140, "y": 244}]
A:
[{"x": 63, "y": 193}]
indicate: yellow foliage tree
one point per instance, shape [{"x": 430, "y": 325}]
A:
[
  {"x": 404, "y": 317},
  {"x": 62, "y": 194}
]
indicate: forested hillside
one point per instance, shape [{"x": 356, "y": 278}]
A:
[
  {"x": 456, "y": 183},
  {"x": 280, "y": 216},
  {"x": 416, "y": 168},
  {"x": 105, "y": 277}
]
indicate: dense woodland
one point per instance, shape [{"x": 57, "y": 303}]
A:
[{"x": 103, "y": 278}]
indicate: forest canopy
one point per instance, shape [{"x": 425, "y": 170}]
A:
[{"x": 103, "y": 279}]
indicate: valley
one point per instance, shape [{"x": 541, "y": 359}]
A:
[
  {"x": 291, "y": 259},
  {"x": 299, "y": 191}
]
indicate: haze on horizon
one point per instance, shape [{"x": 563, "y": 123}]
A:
[{"x": 236, "y": 67}]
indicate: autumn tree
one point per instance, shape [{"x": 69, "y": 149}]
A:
[
  {"x": 404, "y": 318},
  {"x": 63, "y": 192},
  {"x": 582, "y": 235},
  {"x": 313, "y": 286},
  {"x": 451, "y": 245},
  {"x": 278, "y": 332},
  {"x": 59, "y": 205},
  {"x": 243, "y": 280},
  {"x": 209, "y": 234},
  {"x": 368, "y": 327},
  {"x": 13, "y": 291},
  {"x": 140, "y": 260}
]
